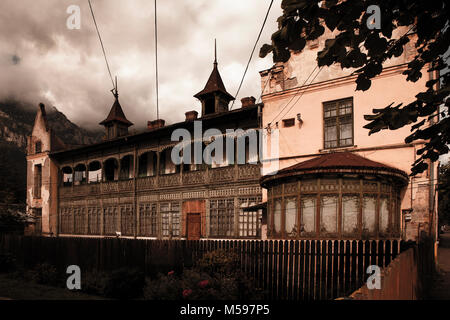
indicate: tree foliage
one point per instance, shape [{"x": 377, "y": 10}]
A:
[
  {"x": 354, "y": 45},
  {"x": 444, "y": 193}
]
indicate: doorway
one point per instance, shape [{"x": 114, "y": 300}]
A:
[{"x": 193, "y": 226}]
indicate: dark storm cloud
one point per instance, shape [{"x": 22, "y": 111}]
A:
[{"x": 65, "y": 67}]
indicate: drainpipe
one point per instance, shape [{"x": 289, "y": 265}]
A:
[{"x": 431, "y": 195}]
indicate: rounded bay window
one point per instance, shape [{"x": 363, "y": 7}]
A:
[{"x": 340, "y": 196}]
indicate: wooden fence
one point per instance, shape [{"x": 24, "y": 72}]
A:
[
  {"x": 408, "y": 276},
  {"x": 289, "y": 270}
]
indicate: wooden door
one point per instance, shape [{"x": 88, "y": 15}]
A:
[{"x": 193, "y": 226}]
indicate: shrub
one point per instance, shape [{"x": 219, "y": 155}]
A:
[
  {"x": 46, "y": 274},
  {"x": 124, "y": 284},
  {"x": 94, "y": 283},
  {"x": 7, "y": 263},
  {"x": 164, "y": 287},
  {"x": 219, "y": 262},
  {"x": 216, "y": 276}
]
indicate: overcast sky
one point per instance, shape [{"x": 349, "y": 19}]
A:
[{"x": 42, "y": 60}]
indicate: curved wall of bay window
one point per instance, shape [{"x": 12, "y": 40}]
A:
[{"x": 334, "y": 208}]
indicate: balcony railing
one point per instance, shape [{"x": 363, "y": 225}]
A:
[{"x": 189, "y": 178}]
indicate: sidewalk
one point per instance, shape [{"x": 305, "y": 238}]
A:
[{"x": 441, "y": 286}]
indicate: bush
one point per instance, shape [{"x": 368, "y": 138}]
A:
[
  {"x": 216, "y": 276},
  {"x": 94, "y": 283},
  {"x": 219, "y": 261},
  {"x": 164, "y": 287},
  {"x": 124, "y": 284},
  {"x": 46, "y": 274},
  {"x": 7, "y": 263}
]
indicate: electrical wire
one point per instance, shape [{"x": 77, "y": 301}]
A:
[
  {"x": 156, "y": 62},
  {"x": 253, "y": 51},
  {"x": 101, "y": 43}
]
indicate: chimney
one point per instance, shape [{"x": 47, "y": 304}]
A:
[
  {"x": 156, "y": 124},
  {"x": 191, "y": 115},
  {"x": 248, "y": 102}
]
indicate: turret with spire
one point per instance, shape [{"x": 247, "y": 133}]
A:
[
  {"x": 116, "y": 124},
  {"x": 214, "y": 97}
]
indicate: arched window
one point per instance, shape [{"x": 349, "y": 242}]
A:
[
  {"x": 38, "y": 147},
  {"x": 111, "y": 169},
  {"x": 80, "y": 174},
  {"x": 67, "y": 176},
  {"x": 126, "y": 167},
  {"x": 95, "y": 172},
  {"x": 147, "y": 164}
]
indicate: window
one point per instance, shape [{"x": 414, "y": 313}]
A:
[
  {"x": 148, "y": 219},
  {"x": 338, "y": 123},
  {"x": 288, "y": 122},
  {"x": 37, "y": 181},
  {"x": 127, "y": 220},
  {"x": 328, "y": 214},
  {"x": 308, "y": 206},
  {"x": 38, "y": 147},
  {"x": 111, "y": 220},
  {"x": 350, "y": 209},
  {"x": 291, "y": 216},
  {"x": 38, "y": 217},
  {"x": 170, "y": 218},
  {"x": 249, "y": 221},
  {"x": 80, "y": 220},
  {"x": 210, "y": 106},
  {"x": 94, "y": 220},
  {"x": 221, "y": 214},
  {"x": 369, "y": 213},
  {"x": 384, "y": 214},
  {"x": 350, "y": 213},
  {"x": 66, "y": 220},
  {"x": 277, "y": 216}
]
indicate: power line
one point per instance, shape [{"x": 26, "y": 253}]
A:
[
  {"x": 253, "y": 51},
  {"x": 101, "y": 43},
  {"x": 156, "y": 62},
  {"x": 312, "y": 80},
  {"x": 292, "y": 98}
]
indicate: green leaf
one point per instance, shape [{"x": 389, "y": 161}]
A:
[
  {"x": 363, "y": 83},
  {"x": 265, "y": 50}
]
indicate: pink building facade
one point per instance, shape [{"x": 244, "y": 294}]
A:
[{"x": 318, "y": 112}]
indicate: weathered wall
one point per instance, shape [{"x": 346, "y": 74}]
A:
[
  {"x": 47, "y": 202},
  {"x": 399, "y": 281},
  {"x": 284, "y": 100}
]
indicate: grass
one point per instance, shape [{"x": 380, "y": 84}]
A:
[{"x": 15, "y": 289}]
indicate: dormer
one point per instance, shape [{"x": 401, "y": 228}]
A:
[
  {"x": 214, "y": 97},
  {"x": 116, "y": 124}
]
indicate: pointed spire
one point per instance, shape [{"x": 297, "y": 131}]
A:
[
  {"x": 214, "y": 83},
  {"x": 215, "y": 52},
  {"x": 116, "y": 113}
]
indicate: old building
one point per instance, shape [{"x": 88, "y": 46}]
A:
[
  {"x": 336, "y": 181},
  {"x": 329, "y": 178},
  {"x": 129, "y": 186}
]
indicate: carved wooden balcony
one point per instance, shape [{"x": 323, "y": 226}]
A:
[
  {"x": 249, "y": 171},
  {"x": 190, "y": 178},
  {"x": 126, "y": 185},
  {"x": 146, "y": 183},
  {"x": 169, "y": 180},
  {"x": 194, "y": 177},
  {"x": 222, "y": 174},
  {"x": 110, "y": 186}
]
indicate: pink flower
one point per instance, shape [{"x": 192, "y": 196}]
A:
[
  {"x": 171, "y": 273},
  {"x": 203, "y": 284},
  {"x": 186, "y": 292}
]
